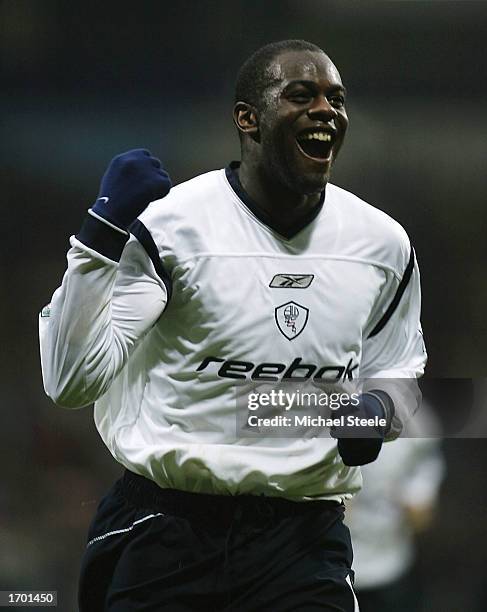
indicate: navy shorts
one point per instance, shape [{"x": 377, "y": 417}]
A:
[{"x": 160, "y": 550}]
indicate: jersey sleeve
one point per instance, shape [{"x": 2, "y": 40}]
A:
[
  {"x": 393, "y": 354},
  {"x": 96, "y": 318}
]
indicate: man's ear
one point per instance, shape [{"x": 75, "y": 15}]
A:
[{"x": 246, "y": 119}]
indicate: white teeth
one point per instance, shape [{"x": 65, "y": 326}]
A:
[{"x": 317, "y": 136}]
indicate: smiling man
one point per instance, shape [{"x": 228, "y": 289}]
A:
[
  {"x": 173, "y": 299},
  {"x": 292, "y": 124}
]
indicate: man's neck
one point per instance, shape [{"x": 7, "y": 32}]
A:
[{"x": 285, "y": 207}]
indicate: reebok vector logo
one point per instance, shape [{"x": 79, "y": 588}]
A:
[
  {"x": 291, "y": 281},
  {"x": 278, "y": 372}
]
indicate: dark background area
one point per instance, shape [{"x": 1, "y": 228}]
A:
[{"x": 83, "y": 81}]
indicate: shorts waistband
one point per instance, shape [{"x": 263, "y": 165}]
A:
[{"x": 144, "y": 493}]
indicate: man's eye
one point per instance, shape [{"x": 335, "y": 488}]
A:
[
  {"x": 337, "y": 101},
  {"x": 300, "y": 97}
]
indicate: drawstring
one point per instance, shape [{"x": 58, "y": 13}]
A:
[
  {"x": 235, "y": 519},
  {"x": 266, "y": 510},
  {"x": 262, "y": 508},
  {"x": 260, "y": 514},
  {"x": 234, "y": 523}
]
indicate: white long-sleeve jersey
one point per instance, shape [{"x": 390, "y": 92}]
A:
[{"x": 158, "y": 329}]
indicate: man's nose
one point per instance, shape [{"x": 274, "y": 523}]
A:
[{"x": 322, "y": 109}]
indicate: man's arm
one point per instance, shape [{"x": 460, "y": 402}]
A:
[
  {"x": 111, "y": 293},
  {"x": 394, "y": 355}
]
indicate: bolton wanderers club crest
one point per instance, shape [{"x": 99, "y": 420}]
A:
[{"x": 291, "y": 319}]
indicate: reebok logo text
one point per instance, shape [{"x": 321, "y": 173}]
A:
[{"x": 296, "y": 371}]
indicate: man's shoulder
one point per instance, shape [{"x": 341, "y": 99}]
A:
[
  {"x": 188, "y": 197},
  {"x": 362, "y": 213},
  {"x": 382, "y": 237},
  {"x": 194, "y": 214},
  {"x": 207, "y": 181}
]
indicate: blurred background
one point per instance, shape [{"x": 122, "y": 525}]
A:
[{"x": 83, "y": 81}]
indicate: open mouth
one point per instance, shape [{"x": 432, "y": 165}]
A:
[{"x": 317, "y": 145}]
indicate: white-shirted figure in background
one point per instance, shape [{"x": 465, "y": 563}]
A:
[
  {"x": 168, "y": 303},
  {"x": 397, "y": 501}
]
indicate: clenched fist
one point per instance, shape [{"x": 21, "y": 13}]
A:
[
  {"x": 365, "y": 425},
  {"x": 132, "y": 180}
]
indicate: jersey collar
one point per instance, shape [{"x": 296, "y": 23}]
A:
[{"x": 234, "y": 181}]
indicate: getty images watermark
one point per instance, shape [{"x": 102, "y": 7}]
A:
[
  {"x": 455, "y": 408},
  {"x": 291, "y": 410},
  {"x": 288, "y": 404}
]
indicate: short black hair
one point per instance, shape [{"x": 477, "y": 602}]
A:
[{"x": 253, "y": 77}]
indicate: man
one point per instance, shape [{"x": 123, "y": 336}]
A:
[{"x": 260, "y": 272}]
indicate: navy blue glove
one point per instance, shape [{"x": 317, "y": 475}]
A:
[
  {"x": 360, "y": 444},
  {"x": 132, "y": 180}
]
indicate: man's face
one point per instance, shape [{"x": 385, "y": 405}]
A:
[{"x": 302, "y": 122}]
